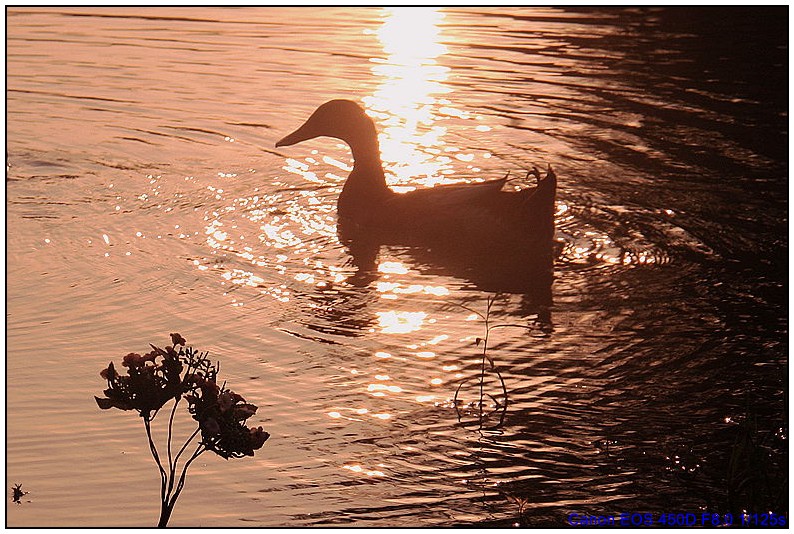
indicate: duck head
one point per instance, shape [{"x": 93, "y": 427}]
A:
[{"x": 341, "y": 119}]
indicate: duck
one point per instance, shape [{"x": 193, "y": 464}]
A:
[
  {"x": 482, "y": 210},
  {"x": 472, "y": 221}
]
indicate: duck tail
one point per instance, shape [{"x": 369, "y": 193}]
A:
[{"x": 538, "y": 207}]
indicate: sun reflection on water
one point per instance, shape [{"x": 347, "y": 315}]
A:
[
  {"x": 407, "y": 103},
  {"x": 400, "y": 322}
]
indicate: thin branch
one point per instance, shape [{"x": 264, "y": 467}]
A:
[
  {"x": 153, "y": 449},
  {"x": 507, "y": 401},
  {"x": 192, "y": 436},
  {"x": 171, "y": 462},
  {"x": 481, "y": 316},
  {"x": 501, "y": 407},
  {"x": 484, "y": 353},
  {"x": 455, "y": 398},
  {"x": 508, "y": 325},
  {"x": 472, "y": 310},
  {"x": 199, "y": 450},
  {"x": 170, "y": 433}
]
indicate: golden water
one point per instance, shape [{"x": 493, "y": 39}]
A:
[{"x": 145, "y": 196}]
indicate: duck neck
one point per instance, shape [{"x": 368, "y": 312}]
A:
[
  {"x": 366, "y": 158},
  {"x": 366, "y": 182}
]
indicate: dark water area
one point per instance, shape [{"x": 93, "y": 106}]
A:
[{"x": 145, "y": 196}]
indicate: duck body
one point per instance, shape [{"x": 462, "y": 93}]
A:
[
  {"x": 480, "y": 214},
  {"x": 476, "y": 223}
]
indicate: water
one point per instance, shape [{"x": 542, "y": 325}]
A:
[{"x": 144, "y": 196}]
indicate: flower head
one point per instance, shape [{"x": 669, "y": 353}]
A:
[
  {"x": 176, "y": 339},
  {"x": 227, "y": 399},
  {"x": 244, "y": 411},
  {"x": 132, "y": 360},
  {"x": 221, "y": 414},
  {"x": 148, "y": 384},
  {"x": 171, "y": 373},
  {"x": 109, "y": 373},
  {"x": 166, "y": 373},
  {"x": 258, "y": 438},
  {"x": 210, "y": 426}
]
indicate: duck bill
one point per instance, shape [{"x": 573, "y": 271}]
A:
[{"x": 301, "y": 134}]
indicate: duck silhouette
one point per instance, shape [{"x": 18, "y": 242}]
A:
[{"x": 500, "y": 240}]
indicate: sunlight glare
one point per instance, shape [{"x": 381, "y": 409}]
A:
[
  {"x": 392, "y": 267},
  {"x": 405, "y": 103},
  {"x": 394, "y": 322}
]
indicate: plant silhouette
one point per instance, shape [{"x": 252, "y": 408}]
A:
[
  {"x": 171, "y": 374},
  {"x": 487, "y": 365},
  {"x": 18, "y": 493}
]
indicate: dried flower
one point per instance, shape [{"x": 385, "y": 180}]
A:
[
  {"x": 244, "y": 411},
  {"x": 147, "y": 385},
  {"x": 258, "y": 438},
  {"x": 221, "y": 414},
  {"x": 210, "y": 426},
  {"x": 166, "y": 374}
]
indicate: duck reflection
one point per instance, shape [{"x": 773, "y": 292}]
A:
[{"x": 499, "y": 240}]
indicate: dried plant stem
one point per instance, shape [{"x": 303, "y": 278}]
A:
[
  {"x": 169, "y": 494},
  {"x": 170, "y": 433},
  {"x": 485, "y": 357},
  {"x": 163, "y": 477},
  {"x": 198, "y": 452},
  {"x": 191, "y": 438},
  {"x": 501, "y": 406},
  {"x": 484, "y": 354},
  {"x": 170, "y": 501}
]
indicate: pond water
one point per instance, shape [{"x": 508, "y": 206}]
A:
[{"x": 145, "y": 196}]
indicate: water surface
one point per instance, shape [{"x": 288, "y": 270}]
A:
[{"x": 145, "y": 196}]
